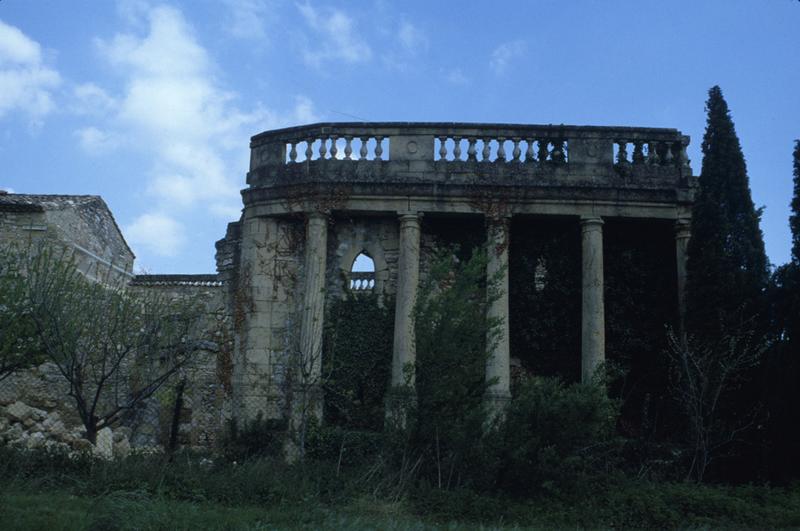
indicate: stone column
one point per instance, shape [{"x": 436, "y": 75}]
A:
[
  {"x": 401, "y": 393},
  {"x": 404, "y": 351},
  {"x": 593, "y": 334},
  {"x": 498, "y": 369},
  {"x": 682, "y": 234},
  {"x": 313, "y": 306}
]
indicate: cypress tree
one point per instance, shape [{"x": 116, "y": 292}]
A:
[
  {"x": 727, "y": 266},
  {"x": 782, "y": 377},
  {"x": 794, "y": 218}
]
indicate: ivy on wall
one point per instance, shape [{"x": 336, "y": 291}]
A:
[
  {"x": 357, "y": 358},
  {"x": 545, "y": 295}
]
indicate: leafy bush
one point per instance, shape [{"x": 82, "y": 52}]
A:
[
  {"x": 257, "y": 438},
  {"x": 553, "y": 436},
  {"x": 453, "y": 335}
]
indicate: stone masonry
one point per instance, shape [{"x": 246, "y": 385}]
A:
[{"x": 320, "y": 195}]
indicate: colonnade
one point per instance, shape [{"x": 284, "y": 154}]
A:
[{"x": 497, "y": 242}]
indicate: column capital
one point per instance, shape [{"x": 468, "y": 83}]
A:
[
  {"x": 591, "y": 223},
  {"x": 316, "y": 216},
  {"x": 497, "y": 219},
  {"x": 408, "y": 217},
  {"x": 683, "y": 228}
]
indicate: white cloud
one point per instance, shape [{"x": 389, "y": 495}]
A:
[
  {"x": 26, "y": 84},
  {"x": 90, "y": 99},
  {"x": 157, "y": 233},
  {"x": 246, "y": 19},
  {"x": 504, "y": 54},
  {"x": 94, "y": 141},
  {"x": 336, "y": 37},
  {"x": 174, "y": 109},
  {"x": 456, "y": 77},
  {"x": 411, "y": 38}
]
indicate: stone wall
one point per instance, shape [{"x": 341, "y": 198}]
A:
[
  {"x": 265, "y": 257},
  {"x": 196, "y": 394},
  {"x": 82, "y": 225},
  {"x": 349, "y": 237}
]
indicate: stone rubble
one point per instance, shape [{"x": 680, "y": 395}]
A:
[{"x": 26, "y": 427}]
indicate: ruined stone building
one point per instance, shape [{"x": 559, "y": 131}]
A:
[{"x": 318, "y": 196}]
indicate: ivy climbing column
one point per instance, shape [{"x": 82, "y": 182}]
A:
[
  {"x": 498, "y": 370},
  {"x": 593, "y": 328},
  {"x": 404, "y": 348},
  {"x": 313, "y": 302}
]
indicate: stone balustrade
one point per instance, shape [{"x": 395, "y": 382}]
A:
[
  {"x": 453, "y": 143},
  {"x": 362, "y": 281}
]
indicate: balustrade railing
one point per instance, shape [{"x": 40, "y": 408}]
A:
[
  {"x": 448, "y": 143},
  {"x": 362, "y": 282}
]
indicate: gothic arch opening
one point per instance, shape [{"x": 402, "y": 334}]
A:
[{"x": 362, "y": 273}]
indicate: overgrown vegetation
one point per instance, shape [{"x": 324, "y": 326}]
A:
[
  {"x": 46, "y": 491},
  {"x": 114, "y": 347},
  {"x": 675, "y": 400}
]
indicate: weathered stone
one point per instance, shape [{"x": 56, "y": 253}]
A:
[
  {"x": 57, "y": 429},
  {"x": 14, "y": 432},
  {"x": 122, "y": 432},
  {"x": 104, "y": 444},
  {"x": 35, "y": 440},
  {"x": 82, "y": 445},
  {"x": 20, "y": 412},
  {"x": 122, "y": 448},
  {"x": 593, "y": 333}
]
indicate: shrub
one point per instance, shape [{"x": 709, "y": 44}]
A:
[
  {"x": 257, "y": 438},
  {"x": 553, "y": 436}
]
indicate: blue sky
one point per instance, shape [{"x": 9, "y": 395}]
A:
[{"x": 151, "y": 104}]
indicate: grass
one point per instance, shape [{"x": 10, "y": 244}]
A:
[
  {"x": 123, "y": 511},
  {"x": 42, "y": 491}
]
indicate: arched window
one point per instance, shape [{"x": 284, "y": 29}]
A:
[{"x": 362, "y": 273}]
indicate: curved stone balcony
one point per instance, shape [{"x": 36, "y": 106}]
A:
[{"x": 453, "y": 163}]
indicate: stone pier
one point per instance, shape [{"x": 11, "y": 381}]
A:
[
  {"x": 498, "y": 369},
  {"x": 404, "y": 347},
  {"x": 682, "y": 234},
  {"x": 311, "y": 326},
  {"x": 593, "y": 328}
]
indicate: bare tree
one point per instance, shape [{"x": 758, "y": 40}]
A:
[
  {"x": 114, "y": 346},
  {"x": 18, "y": 345},
  {"x": 702, "y": 376}
]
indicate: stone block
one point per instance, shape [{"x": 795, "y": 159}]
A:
[
  {"x": 104, "y": 444},
  {"x": 122, "y": 448},
  {"x": 21, "y": 412}
]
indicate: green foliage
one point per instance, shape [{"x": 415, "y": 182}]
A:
[
  {"x": 794, "y": 219},
  {"x": 727, "y": 265},
  {"x": 19, "y": 346},
  {"x": 346, "y": 447},
  {"x": 41, "y": 491},
  {"x": 114, "y": 346},
  {"x": 640, "y": 301},
  {"x": 545, "y": 317},
  {"x": 782, "y": 371},
  {"x": 727, "y": 277},
  {"x": 257, "y": 438},
  {"x": 357, "y": 361},
  {"x": 554, "y": 437},
  {"x": 453, "y": 336}
]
